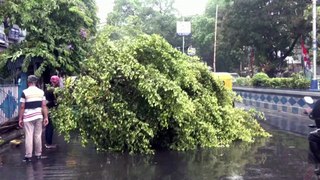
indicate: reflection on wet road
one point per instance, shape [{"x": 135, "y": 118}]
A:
[{"x": 284, "y": 156}]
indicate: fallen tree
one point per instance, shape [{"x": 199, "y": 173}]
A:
[{"x": 140, "y": 94}]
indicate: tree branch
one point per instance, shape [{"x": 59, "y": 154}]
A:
[{"x": 291, "y": 48}]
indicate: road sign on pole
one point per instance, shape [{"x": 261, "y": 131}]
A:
[{"x": 183, "y": 28}]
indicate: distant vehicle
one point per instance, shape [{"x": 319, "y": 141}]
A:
[
  {"x": 226, "y": 78},
  {"x": 235, "y": 75}
]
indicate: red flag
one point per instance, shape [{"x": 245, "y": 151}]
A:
[{"x": 305, "y": 55}]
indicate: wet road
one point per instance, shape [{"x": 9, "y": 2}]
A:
[{"x": 284, "y": 156}]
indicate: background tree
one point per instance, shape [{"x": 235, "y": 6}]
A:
[
  {"x": 58, "y": 32},
  {"x": 202, "y": 37},
  {"x": 272, "y": 28},
  {"x": 203, "y": 34},
  {"x": 150, "y": 16}
]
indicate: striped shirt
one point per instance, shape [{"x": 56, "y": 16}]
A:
[{"x": 32, "y": 97}]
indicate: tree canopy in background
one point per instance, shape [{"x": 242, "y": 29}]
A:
[
  {"x": 272, "y": 28},
  {"x": 203, "y": 34},
  {"x": 58, "y": 32},
  {"x": 139, "y": 94},
  {"x": 148, "y": 16}
]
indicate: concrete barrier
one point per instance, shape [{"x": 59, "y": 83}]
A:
[
  {"x": 289, "y": 101},
  {"x": 284, "y": 109}
]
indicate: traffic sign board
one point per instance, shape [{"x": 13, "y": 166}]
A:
[{"x": 183, "y": 28}]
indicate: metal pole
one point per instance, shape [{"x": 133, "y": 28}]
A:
[
  {"x": 215, "y": 41},
  {"x": 183, "y": 44},
  {"x": 183, "y": 38},
  {"x": 314, "y": 82},
  {"x": 314, "y": 43}
]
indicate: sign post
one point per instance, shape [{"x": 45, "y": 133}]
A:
[{"x": 183, "y": 29}]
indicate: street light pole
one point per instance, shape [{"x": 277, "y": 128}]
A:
[
  {"x": 314, "y": 82},
  {"x": 215, "y": 41},
  {"x": 183, "y": 38}
]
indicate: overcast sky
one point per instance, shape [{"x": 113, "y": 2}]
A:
[{"x": 185, "y": 7}]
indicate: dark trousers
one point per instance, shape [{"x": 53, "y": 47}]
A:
[
  {"x": 314, "y": 146},
  {"x": 49, "y": 132}
]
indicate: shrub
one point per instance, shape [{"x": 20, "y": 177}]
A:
[
  {"x": 296, "y": 81},
  {"x": 243, "y": 81},
  {"x": 300, "y": 82},
  {"x": 260, "y": 79}
]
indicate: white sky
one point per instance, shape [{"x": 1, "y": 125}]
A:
[{"x": 185, "y": 7}]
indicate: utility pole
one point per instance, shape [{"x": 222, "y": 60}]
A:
[
  {"x": 314, "y": 82},
  {"x": 215, "y": 41},
  {"x": 182, "y": 38}
]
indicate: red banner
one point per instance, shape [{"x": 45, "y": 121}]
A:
[{"x": 305, "y": 55}]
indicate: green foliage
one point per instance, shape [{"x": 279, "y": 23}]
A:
[
  {"x": 300, "y": 82},
  {"x": 243, "y": 81},
  {"x": 296, "y": 81},
  {"x": 202, "y": 36},
  {"x": 269, "y": 27},
  {"x": 57, "y": 32},
  {"x": 203, "y": 27},
  {"x": 140, "y": 94},
  {"x": 260, "y": 79},
  {"x": 279, "y": 83},
  {"x": 150, "y": 17}
]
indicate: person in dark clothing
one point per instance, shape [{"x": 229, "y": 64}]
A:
[
  {"x": 314, "y": 136},
  {"x": 51, "y": 103},
  {"x": 316, "y": 112}
]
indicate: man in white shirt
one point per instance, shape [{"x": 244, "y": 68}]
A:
[{"x": 33, "y": 114}]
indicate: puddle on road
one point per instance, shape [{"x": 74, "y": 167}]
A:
[{"x": 284, "y": 156}]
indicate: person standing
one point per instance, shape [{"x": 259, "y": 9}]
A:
[
  {"x": 32, "y": 116},
  {"x": 52, "y": 102}
]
